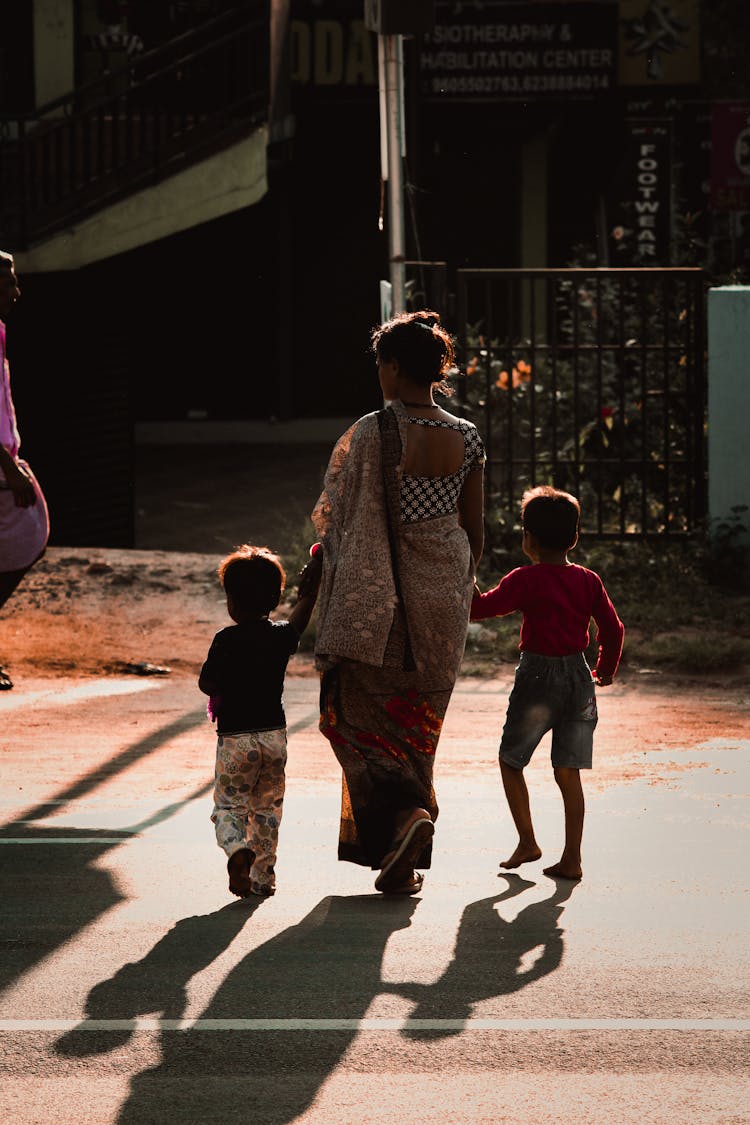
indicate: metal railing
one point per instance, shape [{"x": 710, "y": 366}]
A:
[
  {"x": 132, "y": 127},
  {"x": 592, "y": 380}
]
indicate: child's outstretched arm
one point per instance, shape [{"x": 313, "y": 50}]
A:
[
  {"x": 610, "y": 635},
  {"x": 302, "y": 612},
  {"x": 307, "y": 591},
  {"x": 503, "y": 599}
]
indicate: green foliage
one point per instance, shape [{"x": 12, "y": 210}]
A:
[
  {"x": 675, "y": 617},
  {"x": 708, "y": 653},
  {"x": 590, "y": 387}
]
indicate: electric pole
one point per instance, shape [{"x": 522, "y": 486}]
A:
[{"x": 391, "y": 20}]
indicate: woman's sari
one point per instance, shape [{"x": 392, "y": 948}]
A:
[{"x": 388, "y": 660}]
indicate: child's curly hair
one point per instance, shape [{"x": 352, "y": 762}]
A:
[
  {"x": 551, "y": 516},
  {"x": 254, "y": 579}
]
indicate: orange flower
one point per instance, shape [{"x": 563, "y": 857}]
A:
[{"x": 521, "y": 374}]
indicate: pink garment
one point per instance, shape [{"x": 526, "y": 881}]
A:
[
  {"x": 557, "y": 603},
  {"x": 8, "y": 429},
  {"x": 23, "y": 531}
]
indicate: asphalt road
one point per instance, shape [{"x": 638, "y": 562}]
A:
[{"x": 135, "y": 989}]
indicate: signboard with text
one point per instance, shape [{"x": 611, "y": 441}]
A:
[
  {"x": 730, "y": 157},
  {"x": 495, "y": 49},
  {"x": 639, "y": 213},
  {"x": 660, "y": 42}
]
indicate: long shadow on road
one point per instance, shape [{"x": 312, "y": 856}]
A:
[
  {"x": 52, "y": 886},
  {"x": 329, "y": 966}
]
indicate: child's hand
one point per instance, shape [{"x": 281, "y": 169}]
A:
[
  {"x": 602, "y": 681},
  {"x": 309, "y": 577}
]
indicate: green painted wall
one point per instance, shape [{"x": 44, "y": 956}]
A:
[{"x": 728, "y": 399}]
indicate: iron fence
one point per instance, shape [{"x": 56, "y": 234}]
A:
[{"x": 592, "y": 380}]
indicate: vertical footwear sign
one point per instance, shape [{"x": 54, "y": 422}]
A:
[{"x": 638, "y": 209}]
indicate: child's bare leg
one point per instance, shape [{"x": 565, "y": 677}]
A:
[
  {"x": 569, "y": 782},
  {"x": 517, "y": 795}
]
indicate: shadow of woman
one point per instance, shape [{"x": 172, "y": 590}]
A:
[
  {"x": 326, "y": 967},
  {"x": 158, "y": 982},
  {"x": 492, "y": 957}
]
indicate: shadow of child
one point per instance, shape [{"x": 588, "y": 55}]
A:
[
  {"x": 489, "y": 958},
  {"x": 157, "y": 983}
]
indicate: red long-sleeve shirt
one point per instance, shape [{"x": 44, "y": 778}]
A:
[{"x": 557, "y": 602}]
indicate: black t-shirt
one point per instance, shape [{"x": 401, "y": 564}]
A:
[{"x": 247, "y": 664}]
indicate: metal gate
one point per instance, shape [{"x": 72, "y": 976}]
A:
[{"x": 592, "y": 380}]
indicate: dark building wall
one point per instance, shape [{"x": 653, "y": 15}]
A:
[
  {"x": 201, "y": 307},
  {"x": 70, "y": 364}
]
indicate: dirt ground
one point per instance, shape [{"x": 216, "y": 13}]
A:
[
  {"x": 106, "y": 612},
  {"x": 97, "y": 612}
]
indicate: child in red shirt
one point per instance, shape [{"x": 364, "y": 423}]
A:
[{"x": 554, "y": 687}]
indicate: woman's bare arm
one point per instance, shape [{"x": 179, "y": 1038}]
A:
[{"x": 471, "y": 512}]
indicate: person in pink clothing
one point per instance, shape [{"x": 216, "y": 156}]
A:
[
  {"x": 24, "y": 521},
  {"x": 554, "y": 687}
]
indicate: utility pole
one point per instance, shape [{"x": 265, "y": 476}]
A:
[
  {"x": 392, "y": 124},
  {"x": 391, "y": 20}
]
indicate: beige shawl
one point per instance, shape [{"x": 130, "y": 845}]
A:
[{"x": 357, "y": 597}]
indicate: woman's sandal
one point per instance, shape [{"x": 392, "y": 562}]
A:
[
  {"x": 410, "y": 886},
  {"x": 5, "y": 681},
  {"x": 398, "y": 865}
]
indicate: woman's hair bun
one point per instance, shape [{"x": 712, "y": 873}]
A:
[{"x": 425, "y": 361}]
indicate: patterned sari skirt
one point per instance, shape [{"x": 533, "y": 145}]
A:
[{"x": 383, "y": 725}]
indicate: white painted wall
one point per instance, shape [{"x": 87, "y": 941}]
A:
[
  {"x": 53, "y": 49},
  {"x": 230, "y": 180},
  {"x": 728, "y": 400}
]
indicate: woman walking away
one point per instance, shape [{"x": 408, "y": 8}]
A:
[{"x": 401, "y": 528}]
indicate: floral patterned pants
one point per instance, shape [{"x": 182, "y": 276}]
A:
[{"x": 249, "y": 798}]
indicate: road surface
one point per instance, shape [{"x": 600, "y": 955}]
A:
[{"x": 135, "y": 989}]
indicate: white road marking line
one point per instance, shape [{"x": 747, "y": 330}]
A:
[
  {"x": 582, "y": 1024},
  {"x": 67, "y": 839},
  {"x": 96, "y": 689}
]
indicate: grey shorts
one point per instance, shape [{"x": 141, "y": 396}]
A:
[{"x": 551, "y": 693}]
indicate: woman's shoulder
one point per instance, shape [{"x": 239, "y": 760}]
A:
[
  {"x": 362, "y": 430},
  {"x": 363, "y": 426},
  {"x": 454, "y": 420}
]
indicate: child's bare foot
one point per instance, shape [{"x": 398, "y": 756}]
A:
[
  {"x": 562, "y": 870},
  {"x": 238, "y": 866},
  {"x": 524, "y": 853}
]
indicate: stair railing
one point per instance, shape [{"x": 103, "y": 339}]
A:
[{"x": 135, "y": 125}]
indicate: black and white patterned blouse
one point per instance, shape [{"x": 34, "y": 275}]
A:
[{"x": 424, "y": 498}]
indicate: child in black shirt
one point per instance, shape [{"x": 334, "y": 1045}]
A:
[{"x": 244, "y": 677}]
